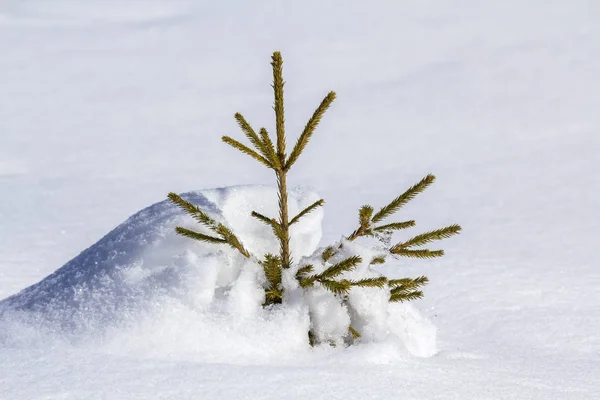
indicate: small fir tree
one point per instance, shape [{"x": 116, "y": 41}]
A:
[{"x": 334, "y": 259}]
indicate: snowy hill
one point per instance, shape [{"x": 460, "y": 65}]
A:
[
  {"x": 143, "y": 278},
  {"x": 108, "y": 105},
  {"x": 143, "y": 262}
]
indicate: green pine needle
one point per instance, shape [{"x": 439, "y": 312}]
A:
[
  {"x": 343, "y": 266},
  {"x": 404, "y": 198},
  {"x": 272, "y": 268},
  {"x": 277, "y": 230},
  {"x": 277, "y": 64},
  {"x": 226, "y": 235},
  {"x": 273, "y": 296},
  {"x": 428, "y": 237},
  {"x": 400, "y": 282},
  {"x": 231, "y": 239},
  {"x": 394, "y": 226},
  {"x": 262, "y": 218},
  {"x": 337, "y": 287},
  {"x": 199, "y": 236},
  {"x": 408, "y": 283},
  {"x": 418, "y": 253},
  {"x": 406, "y": 296},
  {"x": 250, "y": 134},
  {"x": 364, "y": 221},
  {"x": 307, "y": 210},
  {"x": 307, "y": 269},
  {"x": 371, "y": 282},
  {"x": 269, "y": 148},
  {"x": 377, "y": 260},
  {"x": 246, "y": 150},
  {"x": 309, "y": 129},
  {"x": 420, "y": 281},
  {"x": 268, "y": 221},
  {"x": 328, "y": 253},
  {"x": 192, "y": 210},
  {"x": 308, "y": 281},
  {"x": 354, "y": 332},
  {"x": 364, "y": 215}
]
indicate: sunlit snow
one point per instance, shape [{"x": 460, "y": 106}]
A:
[{"x": 106, "y": 106}]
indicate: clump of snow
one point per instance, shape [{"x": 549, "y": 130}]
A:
[
  {"x": 366, "y": 309},
  {"x": 143, "y": 287}
]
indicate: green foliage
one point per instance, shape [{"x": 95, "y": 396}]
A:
[
  {"x": 371, "y": 282},
  {"x": 309, "y": 129},
  {"x": 198, "y": 236},
  {"x": 277, "y": 64},
  {"x": 328, "y": 253},
  {"x": 231, "y": 239},
  {"x": 327, "y": 277},
  {"x": 273, "y": 155},
  {"x": 246, "y": 150},
  {"x": 272, "y": 222},
  {"x": 404, "y": 248},
  {"x": 345, "y": 265},
  {"x": 336, "y": 287},
  {"x": 192, "y": 210},
  {"x": 418, "y": 253},
  {"x": 226, "y": 236},
  {"x": 272, "y": 268},
  {"x": 377, "y": 260},
  {"x": 308, "y": 281},
  {"x": 394, "y": 226},
  {"x": 270, "y": 153},
  {"x": 403, "y": 199},
  {"x": 251, "y": 135},
  {"x": 307, "y": 210},
  {"x": 403, "y": 296},
  {"x": 428, "y": 237},
  {"x": 354, "y": 332},
  {"x": 408, "y": 283},
  {"x": 364, "y": 215},
  {"x": 307, "y": 269},
  {"x": 406, "y": 289},
  {"x": 364, "y": 223}
]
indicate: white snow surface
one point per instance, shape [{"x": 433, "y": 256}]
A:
[
  {"x": 144, "y": 280},
  {"x": 106, "y": 106},
  {"x": 143, "y": 268}
]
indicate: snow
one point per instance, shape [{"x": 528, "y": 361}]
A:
[
  {"x": 142, "y": 280},
  {"x": 143, "y": 262},
  {"x": 107, "y": 106}
]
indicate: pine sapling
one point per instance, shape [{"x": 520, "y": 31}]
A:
[{"x": 273, "y": 154}]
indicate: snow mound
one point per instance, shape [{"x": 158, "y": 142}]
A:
[{"x": 144, "y": 288}]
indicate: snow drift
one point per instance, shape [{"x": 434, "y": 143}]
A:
[{"x": 169, "y": 293}]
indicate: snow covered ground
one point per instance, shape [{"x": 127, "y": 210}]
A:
[{"x": 105, "y": 106}]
